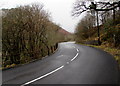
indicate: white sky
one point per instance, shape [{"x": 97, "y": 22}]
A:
[{"x": 60, "y": 10}]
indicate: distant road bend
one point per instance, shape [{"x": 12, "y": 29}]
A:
[{"x": 71, "y": 64}]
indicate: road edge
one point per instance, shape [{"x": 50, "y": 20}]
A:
[{"x": 30, "y": 61}]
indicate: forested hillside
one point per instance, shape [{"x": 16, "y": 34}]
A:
[
  {"x": 28, "y": 34},
  {"x": 100, "y": 26}
]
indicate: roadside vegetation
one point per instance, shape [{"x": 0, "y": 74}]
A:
[
  {"x": 98, "y": 28},
  {"x": 28, "y": 34}
]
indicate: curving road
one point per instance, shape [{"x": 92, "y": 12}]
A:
[{"x": 71, "y": 64}]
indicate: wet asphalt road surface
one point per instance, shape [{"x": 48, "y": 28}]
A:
[{"x": 70, "y": 64}]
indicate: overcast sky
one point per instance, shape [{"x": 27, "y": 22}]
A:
[{"x": 60, "y": 10}]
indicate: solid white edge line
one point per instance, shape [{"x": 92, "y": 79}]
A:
[
  {"x": 43, "y": 76},
  {"x": 74, "y": 57}
]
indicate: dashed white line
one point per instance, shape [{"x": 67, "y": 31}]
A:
[
  {"x": 67, "y": 62},
  {"x": 74, "y": 57},
  {"x": 43, "y": 76},
  {"x": 77, "y": 50}
]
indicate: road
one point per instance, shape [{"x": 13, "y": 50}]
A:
[{"x": 70, "y": 64}]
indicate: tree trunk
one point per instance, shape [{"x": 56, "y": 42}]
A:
[{"x": 99, "y": 43}]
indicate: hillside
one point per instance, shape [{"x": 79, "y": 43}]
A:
[
  {"x": 64, "y": 32},
  {"x": 66, "y": 35}
]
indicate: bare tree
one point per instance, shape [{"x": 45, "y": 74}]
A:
[
  {"x": 24, "y": 29},
  {"x": 81, "y": 6},
  {"x": 28, "y": 34}
]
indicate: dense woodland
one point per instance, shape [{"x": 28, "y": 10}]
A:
[
  {"x": 100, "y": 27},
  {"x": 28, "y": 34},
  {"x": 102, "y": 21}
]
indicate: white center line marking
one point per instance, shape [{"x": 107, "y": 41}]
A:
[
  {"x": 77, "y": 50},
  {"x": 43, "y": 76},
  {"x": 74, "y": 57},
  {"x": 67, "y": 62}
]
